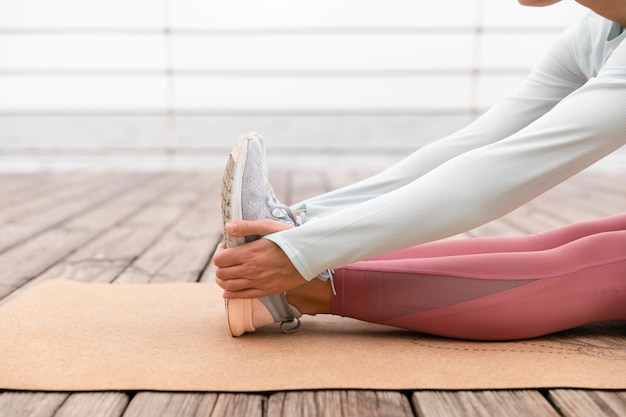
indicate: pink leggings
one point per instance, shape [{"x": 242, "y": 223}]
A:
[{"x": 494, "y": 288}]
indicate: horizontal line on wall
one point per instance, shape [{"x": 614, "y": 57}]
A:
[
  {"x": 198, "y": 150},
  {"x": 239, "y": 112},
  {"x": 276, "y": 31},
  {"x": 416, "y": 72}
]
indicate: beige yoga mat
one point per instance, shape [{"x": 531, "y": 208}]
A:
[{"x": 63, "y": 335}]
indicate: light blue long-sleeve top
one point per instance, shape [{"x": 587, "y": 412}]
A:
[{"x": 569, "y": 113}]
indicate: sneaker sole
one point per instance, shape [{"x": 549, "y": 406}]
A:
[
  {"x": 239, "y": 311},
  {"x": 239, "y": 315},
  {"x": 231, "y": 189}
]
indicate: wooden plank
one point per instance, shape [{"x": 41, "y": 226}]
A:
[
  {"x": 96, "y": 404},
  {"x": 305, "y": 184},
  {"x": 105, "y": 257},
  {"x": 183, "y": 251},
  {"x": 22, "y": 221},
  {"x": 26, "y": 261},
  {"x": 248, "y": 405},
  {"x": 148, "y": 404},
  {"x": 213, "y": 221},
  {"x": 531, "y": 219},
  {"x": 11, "y": 183},
  {"x": 62, "y": 193},
  {"x": 583, "y": 403},
  {"x": 129, "y": 203},
  {"x": 16, "y": 183},
  {"x": 208, "y": 275},
  {"x": 575, "y": 200},
  {"x": 338, "y": 179},
  {"x": 279, "y": 180},
  {"x": 591, "y": 206},
  {"x": 496, "y": 227},
  {"x": 338, "y": 403},
  {"x": 482, "y": 404},
  {"x": 582, "y": 195},
  {"x": 31, "y": 404},
  {"x": 553, "y": 213},
  {"x": 605, "y": 182},
  {"x": 16, "y": 188}
]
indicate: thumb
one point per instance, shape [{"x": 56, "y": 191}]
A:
[{"x": 263, "y": 227}]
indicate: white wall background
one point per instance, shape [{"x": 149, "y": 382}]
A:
[{"x": 142, "y": 84}]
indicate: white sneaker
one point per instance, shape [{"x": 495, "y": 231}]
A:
[{"x": 248, "y": 195}]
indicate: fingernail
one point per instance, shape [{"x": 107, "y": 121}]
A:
[{"x": 231, "y": 227}]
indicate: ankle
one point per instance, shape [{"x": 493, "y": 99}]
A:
[
  {"x": 313, "y": 297},
  {"x": 260, "y": 314}
]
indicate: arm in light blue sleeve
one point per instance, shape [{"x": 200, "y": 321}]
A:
[
  {"x": 548, "y": 139},
  {"x": 551, "y": 81}
]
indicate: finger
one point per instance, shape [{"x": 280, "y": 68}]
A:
[
  {"x": 219, "y": 248},
  {"x": 227, "y": 257},
  {"x": 234, "y": 285},
  {"x": 245, "y": 260},
  {"x": 219, "y": 282},
  {"x": 255, "y": 227},
  {"x": 229, "y": 273}
]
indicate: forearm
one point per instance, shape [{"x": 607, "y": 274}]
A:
[
  {"x": 469, "y": 190},
  {"x": 533, "y": 99}
]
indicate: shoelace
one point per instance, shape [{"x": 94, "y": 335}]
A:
[
  {"x": 283, "y": 212},
  {"x": 328, "y": 276},
  {"x": 290, "y": 326}
]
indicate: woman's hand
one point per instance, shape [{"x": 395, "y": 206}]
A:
[{"x": 257, "y": 268}]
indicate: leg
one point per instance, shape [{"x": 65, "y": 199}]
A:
[
  {"x": 491, "y": 296},
  {"x": 540, "y": 241}
]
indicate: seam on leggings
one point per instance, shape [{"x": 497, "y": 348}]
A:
[{"x": 485, "y": 275}]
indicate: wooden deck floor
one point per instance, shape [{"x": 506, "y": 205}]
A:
[{"x": 164, "y": 227}]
